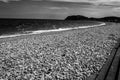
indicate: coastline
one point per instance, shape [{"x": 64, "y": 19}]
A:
[
  {"x": 96, "y": 35},
  {"x": 53, "y": 30}
]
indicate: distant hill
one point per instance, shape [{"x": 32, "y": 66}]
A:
[
  {"x": 76, "y": 17},
  {"x": 105, "y": 19}
]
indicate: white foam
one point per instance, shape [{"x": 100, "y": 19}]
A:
[{"x": 54, "y": 30}]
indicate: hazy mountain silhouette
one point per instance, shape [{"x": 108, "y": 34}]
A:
[{"x": 105, "y": 19}]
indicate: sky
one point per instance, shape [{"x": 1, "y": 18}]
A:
[{"x": 58, "y": 9}]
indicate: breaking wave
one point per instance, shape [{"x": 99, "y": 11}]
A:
[{"x": 53, "y": 30}]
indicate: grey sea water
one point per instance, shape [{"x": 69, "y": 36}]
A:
[{"x": 26, "y": 26}]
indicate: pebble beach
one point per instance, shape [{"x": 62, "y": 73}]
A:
[{"x": 61, "y": 55}]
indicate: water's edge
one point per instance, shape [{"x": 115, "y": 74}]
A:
[{"x": 53, "y": 30}]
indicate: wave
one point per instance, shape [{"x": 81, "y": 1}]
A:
[{"x": 44, "y": 31}]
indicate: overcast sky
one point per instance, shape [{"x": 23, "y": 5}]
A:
[{"x": 58, "y": 9}]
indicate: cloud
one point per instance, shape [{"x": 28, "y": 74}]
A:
[
  {"x": 71, "y": 0},
  {"x": 57, "y": 8},
  {"x": 117, "y": 9},
  {"x": 37, "y": 0},
  {"x": 100, "y": 1},
  {"x": 9, "y": 0},
  {"x": 96, "y": 2}
]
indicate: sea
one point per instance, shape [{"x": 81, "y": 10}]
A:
[{"x": 9, "y": 26}]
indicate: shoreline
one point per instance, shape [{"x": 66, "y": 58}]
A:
[{"x": 53, "y": 30}]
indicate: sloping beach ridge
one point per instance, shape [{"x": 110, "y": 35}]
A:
[{"x": 72, "y": 54}]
